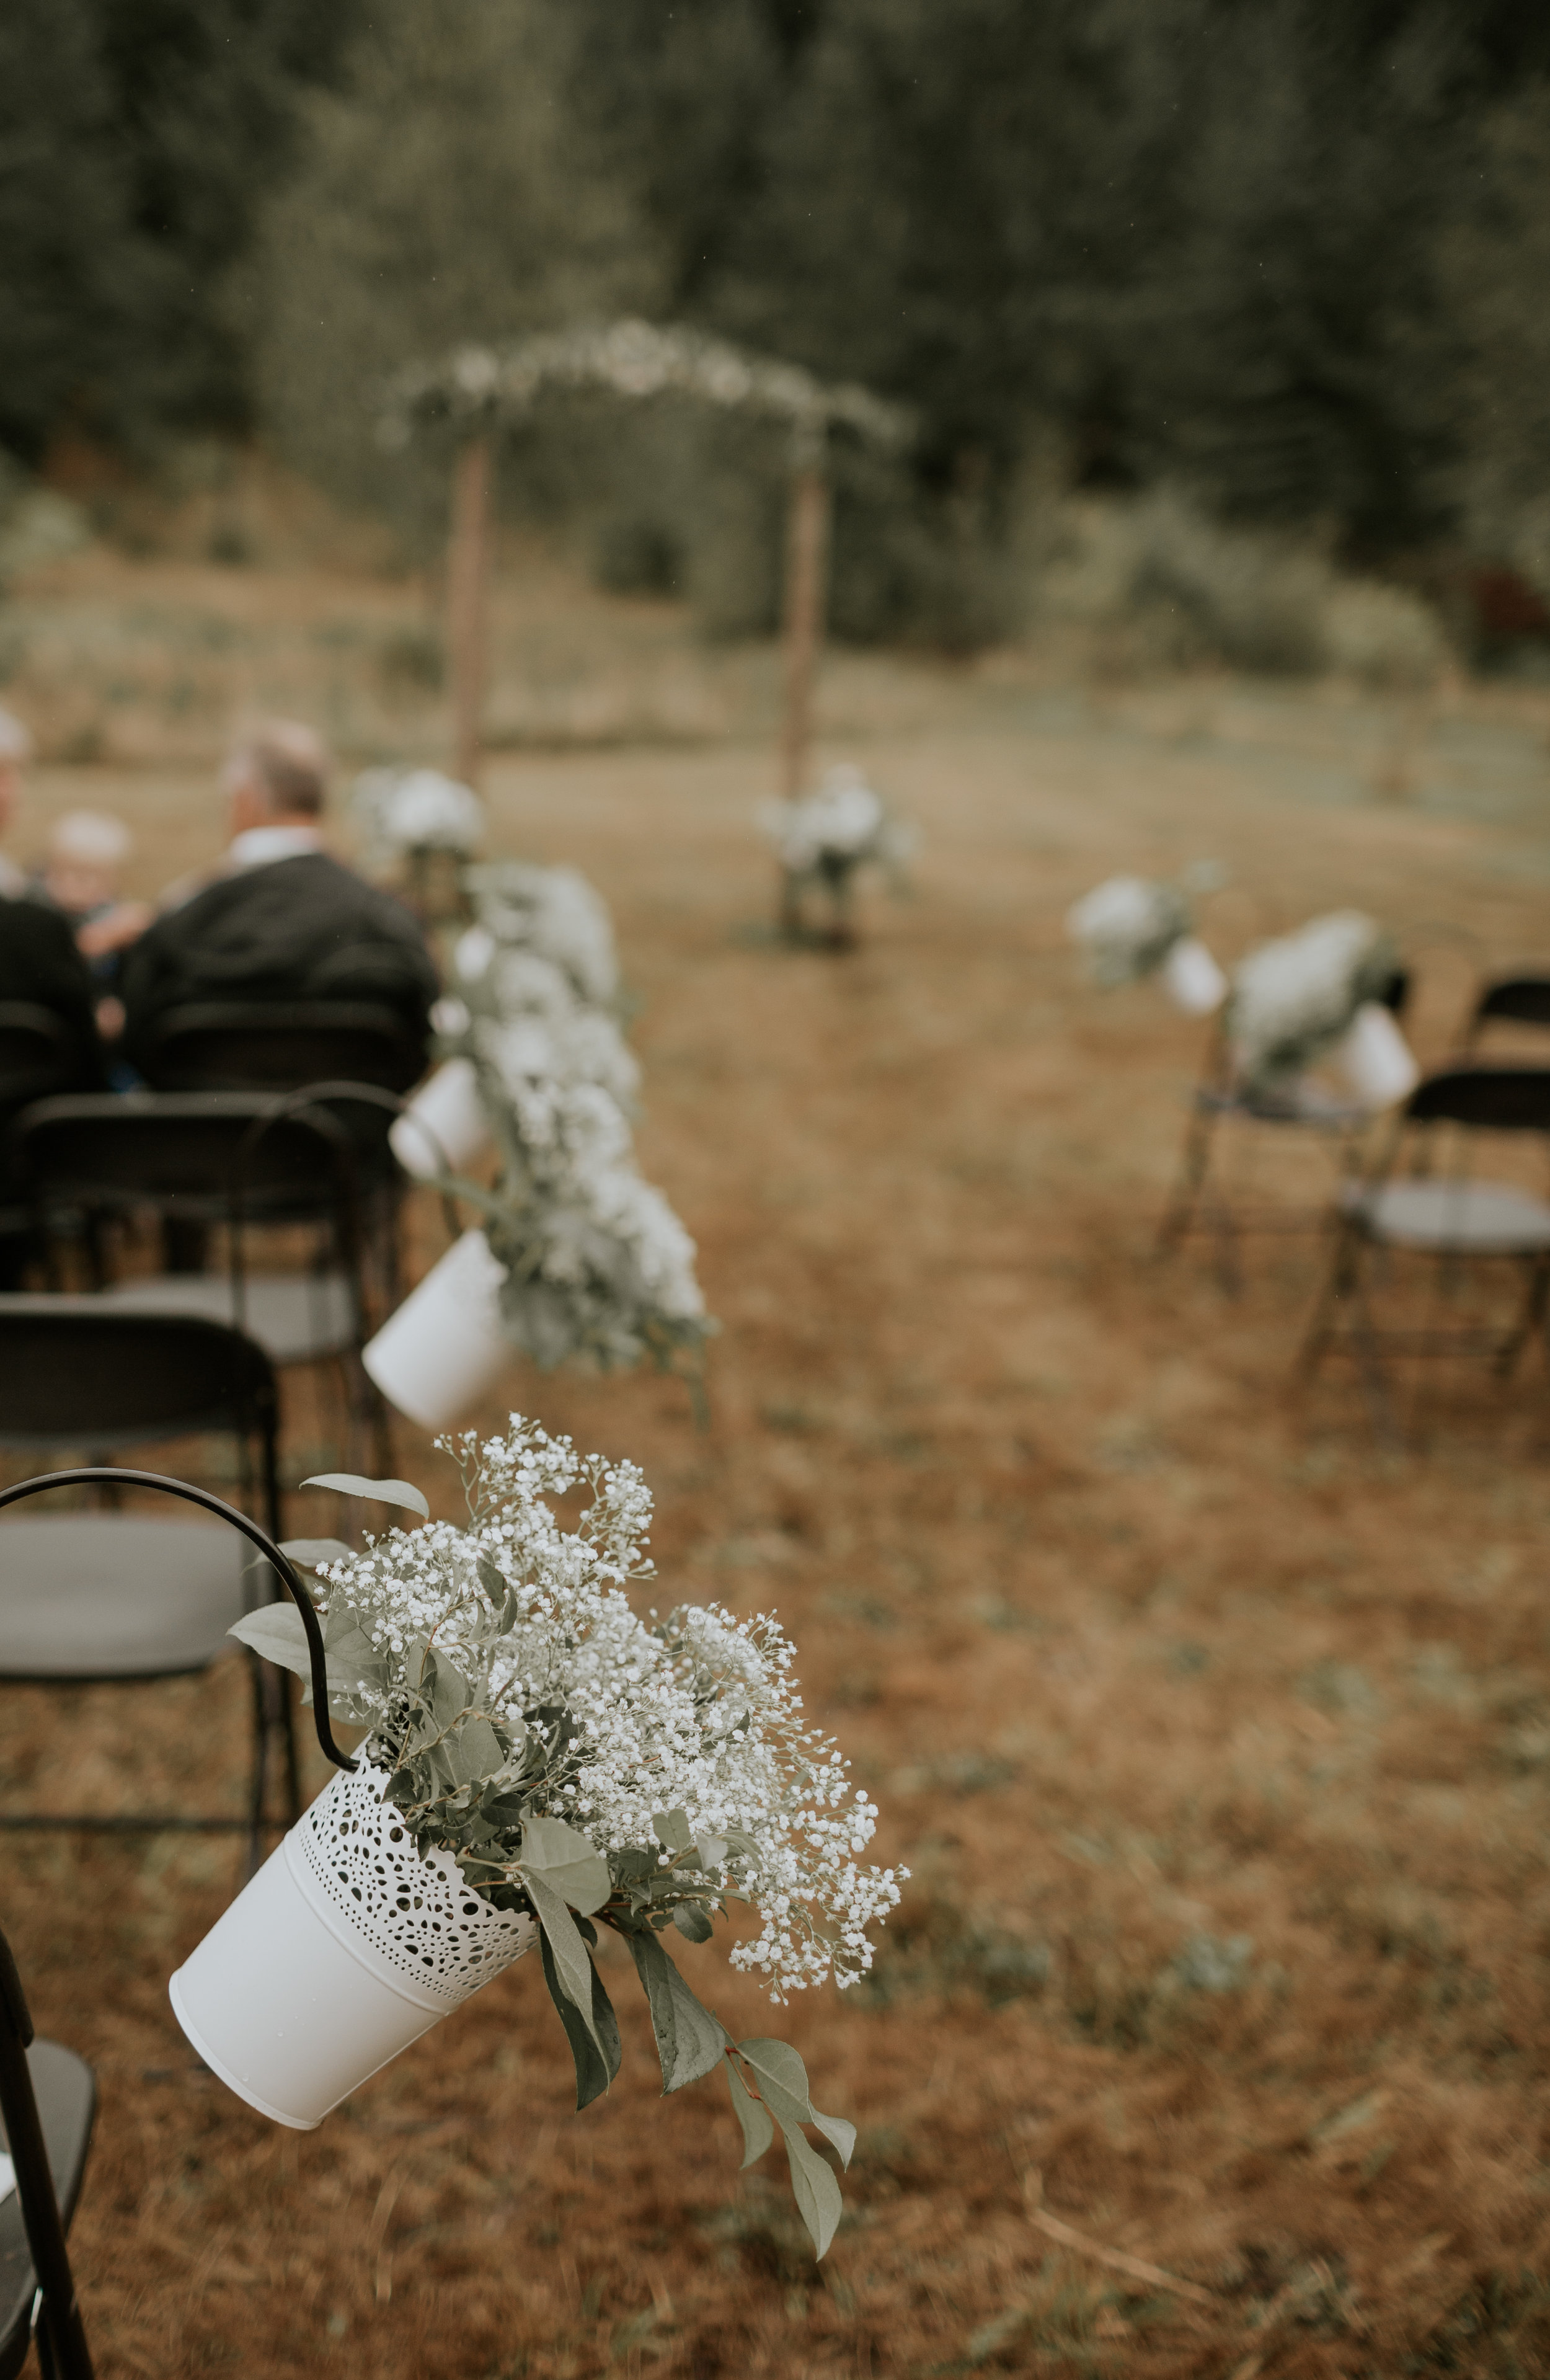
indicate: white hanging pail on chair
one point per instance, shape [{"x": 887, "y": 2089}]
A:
[
  {"x": 445, "y": 1348},
  {"x": 1375, "y": 1059},
  {"x": 445, "y": 1127},
  {"x": 1195, "y": 983},
  {"x": 346, "y": 1946}
]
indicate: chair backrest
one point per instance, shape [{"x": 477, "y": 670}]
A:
[
  {"x": 42, "y": 2219},
  {"x": 77, "y": 1372},
  {"x": 281, "y": 1046},
  {"x": 215, "y": 1155},
  {"x": 1521, "y": 999},
  {"x": 38, "y": 1052},
  {"x": 1485, "y": 1098}
]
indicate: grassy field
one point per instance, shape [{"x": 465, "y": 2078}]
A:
[{"x": 1218, "y": 1739}]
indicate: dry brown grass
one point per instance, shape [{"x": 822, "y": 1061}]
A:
[{"x": 1218, "y": 1743}]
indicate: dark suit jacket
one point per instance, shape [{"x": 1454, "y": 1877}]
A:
[
  {"x": 301, "y": 928},
  {"x": 40, "y": 963}
]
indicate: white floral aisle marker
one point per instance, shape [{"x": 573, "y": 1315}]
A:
[
  {"x": 1320, "y": 994},
  {"x": 824, "y": 839},
  {"x": 1129, "y": 927},
  {"x": 576, "y": 1256},
  {"x": 541, "y": 1763}
]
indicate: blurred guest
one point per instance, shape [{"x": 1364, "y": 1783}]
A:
[
  {"x": 16, "y": 750},
  {"x": 81, "y": 878},
  {"x": 41, "y": 966},
  {"x": 279, "y": 920}
]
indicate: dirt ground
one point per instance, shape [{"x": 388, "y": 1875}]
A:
[{"x": 1217, "y": 1737}]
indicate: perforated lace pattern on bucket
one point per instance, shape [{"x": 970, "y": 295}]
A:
[{"x": 416, "y": 1914}]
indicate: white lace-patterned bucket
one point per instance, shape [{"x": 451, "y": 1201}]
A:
[
  {"x": 444, "y": 1347},
  {"x": 346, "y": 1946}
]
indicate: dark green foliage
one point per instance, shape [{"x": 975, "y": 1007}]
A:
[
  {"x": 1287, "y": 256},
  {"x": 137, "y": 138}
]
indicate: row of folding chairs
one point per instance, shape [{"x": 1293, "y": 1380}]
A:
[
  {"x": 1418, "y": 1192},
  {"x": 253, "y": 1121}
]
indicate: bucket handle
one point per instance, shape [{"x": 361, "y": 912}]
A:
[{"x": 110, "y": 1476}]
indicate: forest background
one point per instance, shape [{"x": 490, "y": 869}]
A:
[{"x": 1262, "y": 277}]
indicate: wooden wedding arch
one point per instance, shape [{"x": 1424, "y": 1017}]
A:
[{"x": 478, "y": 391}]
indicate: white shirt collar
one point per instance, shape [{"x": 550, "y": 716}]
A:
[{"x": 262, "y": 845}]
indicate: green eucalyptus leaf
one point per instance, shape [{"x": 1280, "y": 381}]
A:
[
  {"x": 307, "y": 1552},
  {"x": 446, "y": 1688},
  {"x": 712, "y": 1849},
  {"x": 572, "y": 1965},
  {"x": 595, "y": 2047},
  {"x": 689, "y": 2039},
  {"x": 476, "y": 1750},
  {"x": 782, "y": 2080},
  {"x": 568, "y": 1863},
  {"x": 817, "y": 2193},
  {"x": 673, "y": 1831},
  {"x": 374, "y": 1491},
  {"x": 752, "y": 2114},
  {"x": 490, "y": 1578},
  {"x": 692, "y": 1922},
  {"x": 278, "y": 1633}
]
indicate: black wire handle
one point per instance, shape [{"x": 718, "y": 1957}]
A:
[{"x": 110, "y": 1476}]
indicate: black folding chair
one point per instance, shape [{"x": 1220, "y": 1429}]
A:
[
  {"x": 38, "y": 1055},
  {"x": 281, "y": 1046},
  {"x": 1519, "y": 999},
  {"x": 227, "y": 1159},
  {"x": 1304, "y": 1108},
  {"x": 1444, "y": 1212},
  {"x": 48, "y": 2098},
  {"x": 119, "y": 1598}
]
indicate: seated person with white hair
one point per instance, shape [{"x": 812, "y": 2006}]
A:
[
  {"x": 87, "y": 852},
  {"x": 281, "y": 920}
]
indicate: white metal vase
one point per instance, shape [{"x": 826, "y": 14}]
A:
[
  {"x": 1195, "y": 983},
  {"x": 1377, "y": 1060},
  {"x": 444, "y": 1128},
  {"x": 444, "y": 1347},
  {"x": 346, "y": 1946}
]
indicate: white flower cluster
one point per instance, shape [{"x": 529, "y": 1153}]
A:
[
  {"x": 417, "y": 809},
  {"x": 696, "y": 1714},
  {"x": 835, "y": 828},
  {"x": 1126, "y": 927},
  {"x": 1294, "y": 998},
  {"x": 635, "y": 359},
  {"x": 551, "y": 913},
  {"x": 597, "y": 1262}
]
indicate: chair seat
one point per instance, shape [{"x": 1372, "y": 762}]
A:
[
  {"x": 66, "y": 2096},
  {"x": 114, "y": 1595},
  {"x": 1301, "y": 1101},
  {"x": 1462, "y": 1218},
  {"x": 295, "y": 1317}
]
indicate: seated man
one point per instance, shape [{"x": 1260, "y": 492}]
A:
[{"x": 280, "y": 920}]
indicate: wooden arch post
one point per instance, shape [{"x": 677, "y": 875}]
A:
[
  {"x": 807, "y": 571},
  {"x": 469, "y": 601}
]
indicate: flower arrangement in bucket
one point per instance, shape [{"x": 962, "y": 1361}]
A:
[
  {"x": 548, "y": 913},
  {"x": 823, "y": 839},
  {"x": 1129, "y": 929},
  {"x": 578, "y": 1255},
  {"x": 1323, "y": 994},
  {"x": 422, "y": 818},
  {"x": 542, "y": 1767}
]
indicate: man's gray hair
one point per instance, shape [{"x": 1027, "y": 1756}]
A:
[{"x": 287, "y": 761}]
